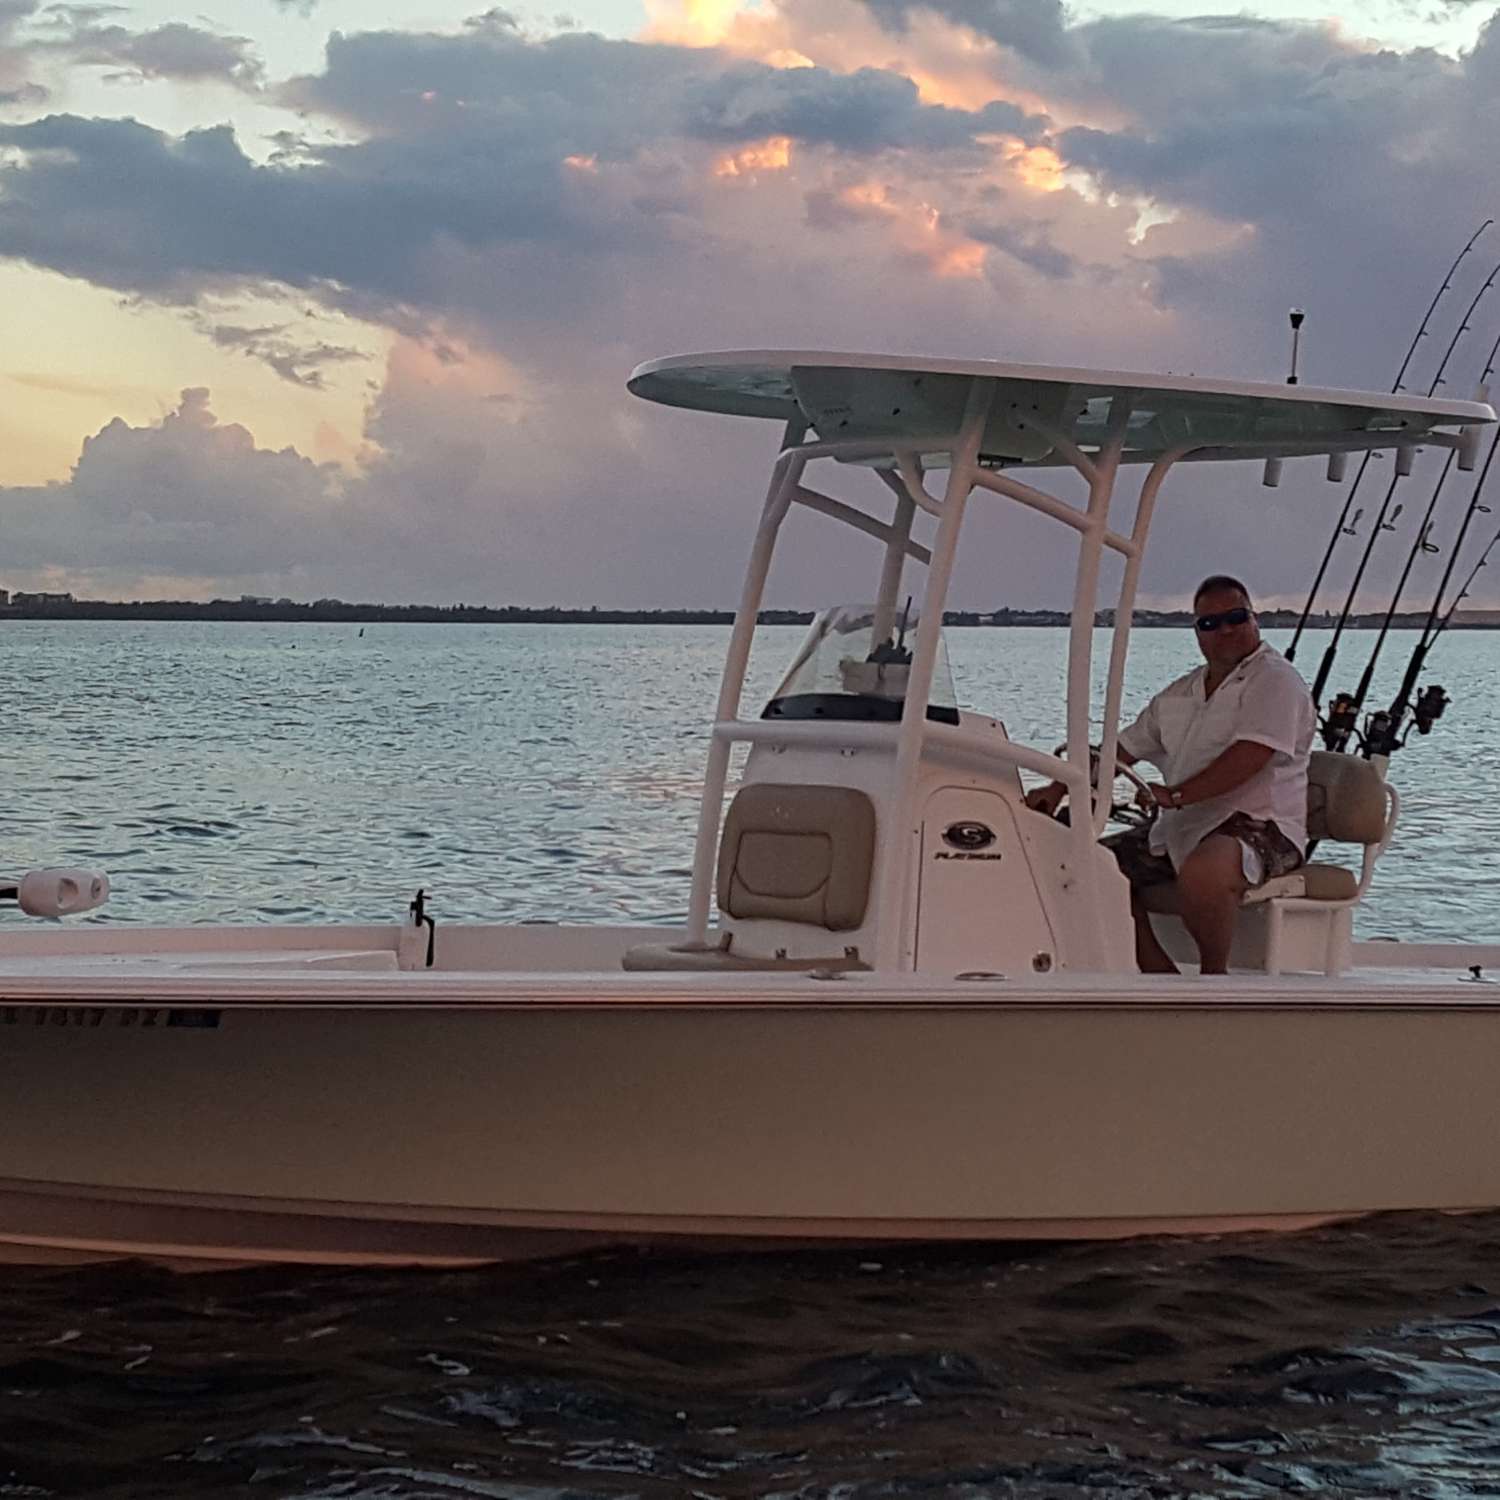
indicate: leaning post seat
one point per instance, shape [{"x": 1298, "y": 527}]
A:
[
  {"x": 1307, "y": 917},
  {"x": 789, "y": 853}
]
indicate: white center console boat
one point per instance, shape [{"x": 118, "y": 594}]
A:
[{"x": 903, "y": 1006}]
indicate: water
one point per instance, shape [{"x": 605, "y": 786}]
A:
[
  {"x": 242, "y": 773},
  {"x": 1362, "y": 1361},
  {"x": 270, "y": 773}
]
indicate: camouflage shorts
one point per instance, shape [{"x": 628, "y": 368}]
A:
[{"x": 1277, "y": 854}]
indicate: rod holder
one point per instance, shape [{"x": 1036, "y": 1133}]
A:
[
  {"x": 1468, "y": 448},
  {"x": 1406, "y": 456},
  {"x": 1338, "y": 466},
  {"x": 1271, "y": 474}
]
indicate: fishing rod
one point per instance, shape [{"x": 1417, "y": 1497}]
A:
[
  {"x": 1484, "y": 557},
  {"x": 1340, "y": 528},
  {"x": 1383, "y": 733},
  {"x": 1340, "y": 718},
  {"x": 1421, "y": 544}
]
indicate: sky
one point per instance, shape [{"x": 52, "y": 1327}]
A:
[{"x": 319, "y": 298}]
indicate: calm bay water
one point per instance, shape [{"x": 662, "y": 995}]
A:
[
  {"x": 273, "y": 773},
  {"x": 251, "y": 773}
]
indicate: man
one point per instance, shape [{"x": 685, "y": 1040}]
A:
[{"x": 1232, "y": 740}]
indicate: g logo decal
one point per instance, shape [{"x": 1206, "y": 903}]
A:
[{"x": 969, "y": 835}]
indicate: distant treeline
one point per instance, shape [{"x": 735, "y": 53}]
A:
[{"x": 338, "y": 611}]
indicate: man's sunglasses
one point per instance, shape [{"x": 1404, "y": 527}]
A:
[{"x": 1210, "y": 623}]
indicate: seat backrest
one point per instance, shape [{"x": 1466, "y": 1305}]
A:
[
  {"x": 797, "y": 853},
  {"x": 1346, "y": 799}
]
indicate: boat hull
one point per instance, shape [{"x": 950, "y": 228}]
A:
[{"x": 353, "y": 1131}]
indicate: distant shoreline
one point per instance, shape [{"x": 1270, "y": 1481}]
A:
[{"x": 335, "y": 611}]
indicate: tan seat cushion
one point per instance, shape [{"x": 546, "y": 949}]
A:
[
  {"x": 797, "y": 853},
  {"x": 1312, "y": 882},
  {"x": 1330, "y": 883},
  {"x": 1346, "y": 802},
  {"x": 1345, "y": 799}
]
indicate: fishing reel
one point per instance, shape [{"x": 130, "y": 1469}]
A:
[
  {"x": 1339, "y": 722},
  {"x": 1382, "y": 736},
  {"x": 1428, "y": 708},
  {"x": 1383, "y": 730}
]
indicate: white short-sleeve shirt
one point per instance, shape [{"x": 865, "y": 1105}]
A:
[{"x": 1180, "y": 731}]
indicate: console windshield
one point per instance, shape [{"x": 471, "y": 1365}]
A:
[{"x": 843, "y": 672}]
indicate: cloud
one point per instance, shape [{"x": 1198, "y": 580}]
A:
[
  {"x": 296, "y": 360},
  {"x": 1028, "y": 244},
  {"x": 171, "y": 498},
  {"x": 87, "y": 36},
  {"x": 174, "y": 50},
  {"x": 1035, "y": 28},
  {"x": 12, "y": 13},
  {"x": 464, "y": 178},
  {"x": 474, "y": 489},
  {"x": 867, "y": 110},
  {"x": 531, "y": 215}
]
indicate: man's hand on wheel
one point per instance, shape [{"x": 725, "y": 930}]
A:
[{"x": 1047, "y": 799}]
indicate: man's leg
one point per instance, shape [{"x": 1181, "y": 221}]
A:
[
  {"x": 1132, "y": 851},
  {"x": 1210, "y": 884},
  {"x": 1150, "y": 956}
]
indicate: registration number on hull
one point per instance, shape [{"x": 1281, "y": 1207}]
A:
[{"x": 93, "y": 1016}]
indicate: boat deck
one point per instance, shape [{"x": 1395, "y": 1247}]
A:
[{"x": 579, "y": 966}]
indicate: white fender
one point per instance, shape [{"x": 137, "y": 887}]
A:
[{"x": 61, "y": 893}]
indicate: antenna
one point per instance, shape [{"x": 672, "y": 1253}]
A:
[{"x": 1295, "y": 317}]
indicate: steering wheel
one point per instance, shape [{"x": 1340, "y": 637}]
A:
[{"x": 1140, "y": 810}]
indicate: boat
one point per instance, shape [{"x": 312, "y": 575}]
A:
[{"x": 902, "y": 1006}]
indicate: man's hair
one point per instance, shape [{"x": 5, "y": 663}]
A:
[{"x": 1222, "y": 583}]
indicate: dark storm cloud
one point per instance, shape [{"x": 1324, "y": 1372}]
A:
[
  {"x": 126, "y": 206},
  {"x": 171, "y": 51},
  {"x": 1035, "y": 28},
  {"x": 583, "y": 92},
  {"x": 576, "y": 91},
  {"x": 90, "y": 36},
  {"x": 1248, "y": 117},
  {"x": 465, "y": 154},
  {"x": 298, "y": 361},
  {"x": 1027, "y": 243},
  {"x": 869, "y": 110}
]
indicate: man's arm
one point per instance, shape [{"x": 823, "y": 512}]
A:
[
  {"x": 1047, "y": 799},
  {"x": 1232, "y": 769}
]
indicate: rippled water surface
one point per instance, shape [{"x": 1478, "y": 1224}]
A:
[
  {"x": 273, "y": 773},
  {"x": 244, "y": 772},
  {"x": 1359, "y": 1361}
]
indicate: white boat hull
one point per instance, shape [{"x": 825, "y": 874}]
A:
[{"x": 327, "y": 1114}]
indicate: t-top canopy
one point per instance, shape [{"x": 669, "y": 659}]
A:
[{"x": 878, "y": 397}]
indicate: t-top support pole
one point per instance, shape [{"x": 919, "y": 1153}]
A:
[
  {"x": 785, "y": 476},
  {"x": 893, "y": 935},
  {"x": 1124, "y": 618},
  {"x": 895, "y": 561}
]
